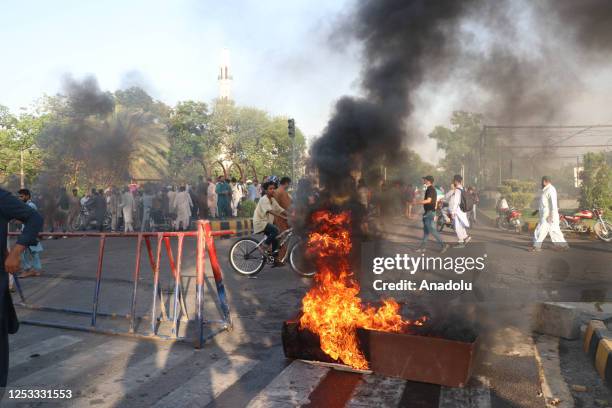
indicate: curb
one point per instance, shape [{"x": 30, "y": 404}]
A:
[
  {"x": 598, "y": 347},
  {"x": 554, "y": 388},
  {"x": 242, "y": 226}
]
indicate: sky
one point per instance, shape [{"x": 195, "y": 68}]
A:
[
  {"x": 285, "y": 58},
  {"x": 281, "y": 57}
]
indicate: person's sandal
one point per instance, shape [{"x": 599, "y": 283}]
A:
[{"x": 29, "y": 273}]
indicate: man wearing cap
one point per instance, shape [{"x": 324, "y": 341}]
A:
[{"x": 429, "y": 212}]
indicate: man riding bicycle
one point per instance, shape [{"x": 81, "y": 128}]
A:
[{"x": 263, "y": 217}]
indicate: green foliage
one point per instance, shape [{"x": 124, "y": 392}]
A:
[
  {"x": 246, "y": 209},
  {"x": 518, "y": 193},
  {"x": 18, "y": 136},
  {"x": 457, "y": 143},
  {"x": 596, "y": 190},
  {"x": 191, "y": 144},
  {"x": 102, "y": 149},
  {"x": 140, "y": 137}
]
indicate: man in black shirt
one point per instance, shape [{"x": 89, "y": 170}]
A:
[{"x": 429, "y": 207}]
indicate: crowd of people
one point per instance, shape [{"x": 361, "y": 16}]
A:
[{"x": 147, "y": 207}]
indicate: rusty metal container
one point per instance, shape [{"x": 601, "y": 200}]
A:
[{"x": 414, "y": 357}]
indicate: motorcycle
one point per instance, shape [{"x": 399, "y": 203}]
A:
[
  {"x": 575, "y": 223},
  {"x": 85, "y": 221},
  {"x": 509, "y": 220}
]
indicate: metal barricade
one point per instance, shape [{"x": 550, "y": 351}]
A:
[{"x": 204, "y": 244}]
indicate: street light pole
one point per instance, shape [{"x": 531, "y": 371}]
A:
[
  {"x": 21, "y": 172},
  {"x": 291, "y": 134}
]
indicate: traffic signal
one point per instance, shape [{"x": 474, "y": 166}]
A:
[{"x": 291, "y": 128}]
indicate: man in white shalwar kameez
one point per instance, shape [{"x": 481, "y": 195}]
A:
[
  {"x": 212, "y": 198},
  {"x": 183, "y": 204},
  {"x": 460, "y": 219},
  {"x": 128, "y": 206},
  {"x": 549, "y": 219}
]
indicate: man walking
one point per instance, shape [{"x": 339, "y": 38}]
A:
[
  {"x": 212, "y": 198},
  {"x": 429, "y": 211},
  {"x": 183, "y": 206},
  {"x": 12, "y": 209},
  {"x": 99, "y": 208},
  {"x": 30, "y": 258},
  {"x": 114, "y": 206},
  {"x": 74, "y": 208},
  {"x": 224, "y": 196},
  {"x": 147, "y": 205},
  {"x": 549, "y": 219},
  {"x": 127, "y": 207},
  {"x": 460, "y": 219},
  {"x": 202, "y": 197}
]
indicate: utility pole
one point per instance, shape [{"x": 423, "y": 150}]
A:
[
  {"x": 21, "y": 172},
  {"x": 291, "y": 134}
]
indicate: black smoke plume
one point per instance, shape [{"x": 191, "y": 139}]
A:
[
  {"x": 397, "y": 35},
  {"x": 517, "y": 62},
  {"x": 85, "y": 97}
]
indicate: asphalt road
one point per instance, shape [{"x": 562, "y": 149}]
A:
[{"x": 246, "y": 366}]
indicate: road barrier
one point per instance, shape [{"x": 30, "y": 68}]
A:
[
  {"x": 204, "y": 236},
  {"x": 242, "y": 226}
]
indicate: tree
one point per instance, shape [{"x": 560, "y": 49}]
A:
[
  {"x": 458, "y": 143},
  {"x": 18, "y": 151},
  {"x": 136, "y": 98},
  {"x": 596, "y": 190},
  {"x": 192, "y": 145},
  {"x": 250, "y": 137},
  {"x": 107, "y": 144}
]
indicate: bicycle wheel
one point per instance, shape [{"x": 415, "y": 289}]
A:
[
  {"x": 603, "y": 230},
  {"x": 299, "y": 261},
  {"x": 245, "y": 257}
]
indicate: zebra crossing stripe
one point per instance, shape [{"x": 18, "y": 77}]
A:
[
  {"x": 24, "y": 354},
  {"x": 377, "y": 391},
  {"x": 116, "y": 386},
  {"x": 291, "y": 387},
  {"x": 63, "y": 371},
  {"x": 475, "y": 396},
  {"x": 205, "y": 386}
]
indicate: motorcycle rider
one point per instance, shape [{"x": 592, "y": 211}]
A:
[
  {"x": 502, "y": 205},
  {"x": 549, "y": 219}
]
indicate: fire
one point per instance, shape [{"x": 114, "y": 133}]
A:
[{"x": 332, "y": 308}]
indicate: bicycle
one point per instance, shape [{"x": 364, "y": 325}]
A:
[{"x": 248, "y": 256}]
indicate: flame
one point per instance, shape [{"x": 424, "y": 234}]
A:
[{"x": 332, "y": 308}]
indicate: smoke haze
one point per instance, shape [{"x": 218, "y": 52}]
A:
[{"x": 517, "y": 62}]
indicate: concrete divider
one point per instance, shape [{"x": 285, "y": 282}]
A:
[{"x": 598, "y": 347}]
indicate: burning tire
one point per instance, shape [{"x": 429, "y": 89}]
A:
[
  {"x": 299, "y": 262},
  {"x": 245, "y": 257}
]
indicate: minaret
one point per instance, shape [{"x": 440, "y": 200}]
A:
[{"x": 225, "y": 79}]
